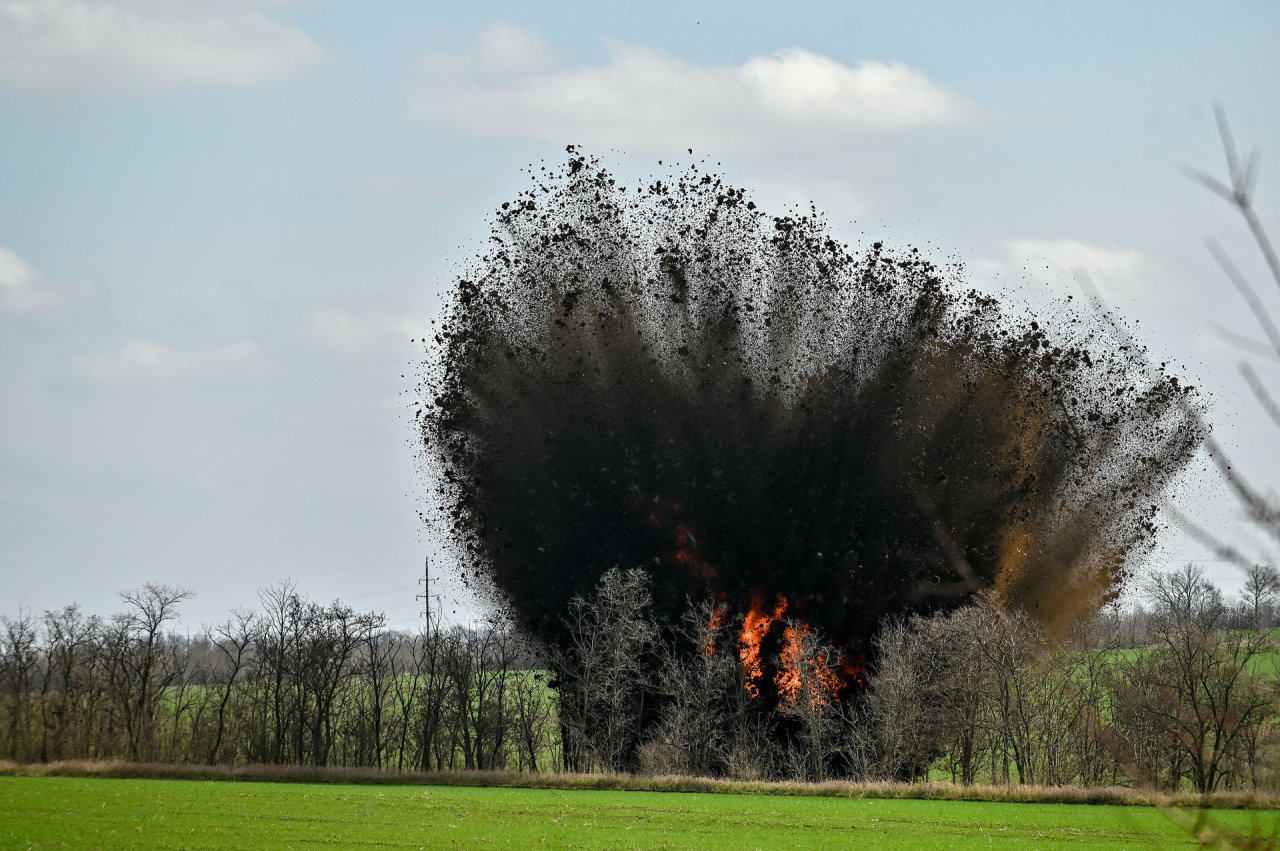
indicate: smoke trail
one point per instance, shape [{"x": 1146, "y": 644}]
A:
[{"x": 665, "y": 376}]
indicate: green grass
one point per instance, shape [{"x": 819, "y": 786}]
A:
[
  {"x": 80, "y": 812},
  {"x": 1267, "y": 664}
]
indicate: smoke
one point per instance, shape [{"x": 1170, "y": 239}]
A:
[{"x": 665, "y": 376}]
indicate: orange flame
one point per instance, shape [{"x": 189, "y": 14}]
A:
[
  {"x": 793, "y": 685},
  {"x": 828, "y": 678},
  {"x": 789, "y": 677},
  {"x": 754, "y": 629}
]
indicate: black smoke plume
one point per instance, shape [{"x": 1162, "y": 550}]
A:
[{"x": 665, "y": 376}]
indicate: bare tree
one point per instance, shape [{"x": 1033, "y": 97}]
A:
[
  {"x": 807, "y": 681},
  {"x": 144, "y": 670},
  {"x": 233, "y": 639},
  {"x": 462, "y": 660},
  {"x": 499, "y": 654},
  {"x": 431, "y": 698},
  {"x": 902, "y": 702},
  {"x": 375, "y": 668},
  {"x": 273, "y": 650},
  {"x": 600, "y": 676},
  {"x": 328, "y": 655},
  {"x": 696, "y": 677},
  {"x": 69, "y": 636},
  {"x": 1196, "y": 687},
  {"x": 1010, "y": 646},
  {"x": 932, "y": 693},
  {"x": 534, "y": 718},
  {"x": 1261, "y": 588},
  {"x": 19, "y": 663}
]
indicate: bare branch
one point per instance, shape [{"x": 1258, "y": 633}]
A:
[
  {"x": 1244, "y": 343},
  {"x": 1219, "y": 547},
  {"x": 1249, "y": 174},
  {"x": 1211, "y": 183},
  {"x": 1245, "y": 289},
  {"x": 1260, "y": 509},
  {"x": 1263, "y": 241},
  {"x": 1228, "y": 144},
  {"x": 1240, "y": 195}
]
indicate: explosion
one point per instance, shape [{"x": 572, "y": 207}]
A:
[{"x": 667, "y": 377}]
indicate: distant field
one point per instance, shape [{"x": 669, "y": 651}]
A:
[{"x": 77, "y": 812}]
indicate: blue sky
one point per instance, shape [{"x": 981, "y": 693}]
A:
[{"x": 221, "y": 223}]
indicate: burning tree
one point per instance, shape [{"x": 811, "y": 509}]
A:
[{"x": 665, "y": 378}]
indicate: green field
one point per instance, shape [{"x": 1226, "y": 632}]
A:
[{"x": 75, "y": 812}]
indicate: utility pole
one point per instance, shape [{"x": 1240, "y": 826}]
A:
[{"x": 425, "y": 596}]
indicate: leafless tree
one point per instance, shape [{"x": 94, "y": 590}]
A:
[
  {"x": 1259, "y": 594},
  {"x": 928, "y": 696},
  {"x": 902, "y": 715},
  {"x": 143, "y": 669},
  {"x": 696, "y": 678},
  {"x": 233, "y": 639},
  {"x": 1195, "y": 688},
  {"x": 430, "y": 699},
  {"x": 328, "y": 653},
  {"x": 480, "y": 666},
  {"x": 534, "y": 718},
  {"x": 600, "y": 677},
  {"x": 375, "y": 670},
  {"x": 69, "y": 636},
  {"x": 20, "y": 662},
  {"x": 808, "y": 680}
]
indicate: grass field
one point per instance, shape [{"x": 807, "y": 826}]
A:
[{"x": 78, "y": 812}]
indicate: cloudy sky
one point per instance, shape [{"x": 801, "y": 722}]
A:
[{"x": 222, "y": 223}]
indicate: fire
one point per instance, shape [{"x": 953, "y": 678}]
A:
[
  {"x": 822, "y": 682},
  {"x": 830, "y": 681},
  {"x": 797, "y": 677},
  {"x": 790, "y": 671},
  {"x": 754, "y": 629}
]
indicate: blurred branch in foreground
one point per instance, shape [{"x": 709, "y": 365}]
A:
[{"x": 1261, "y": 508}]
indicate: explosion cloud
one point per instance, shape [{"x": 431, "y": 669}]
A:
[{"x": 667, "y": 377}]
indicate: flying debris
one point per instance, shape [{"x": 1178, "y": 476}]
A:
[{"x": 755, "y": 413}]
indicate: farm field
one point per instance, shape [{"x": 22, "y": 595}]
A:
[{"x": 74, "y": 812}]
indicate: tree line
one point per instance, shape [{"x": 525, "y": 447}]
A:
[
  {"x": 1178, "y": 693},
  {"x": 1182, "y": 693},
  {"x": 295, "y": 682}
]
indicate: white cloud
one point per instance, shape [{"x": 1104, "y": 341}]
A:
[
  {"x": 76, "y": 46},
  {"x": 1116, "y": 273},
  {"x": 511, "y": 83},
  {"x": 358, "y": 334},
  {"x": 140, "y": 361},
  {"x": 23, "y": 288},
  {"x": 501, "y": 50}
]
